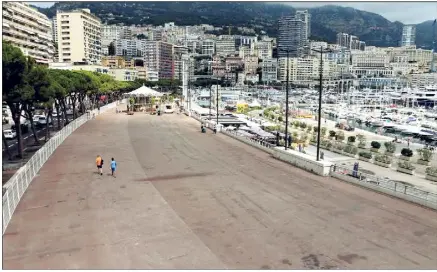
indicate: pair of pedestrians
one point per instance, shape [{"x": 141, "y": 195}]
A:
[{"x": 99, "y": 163}]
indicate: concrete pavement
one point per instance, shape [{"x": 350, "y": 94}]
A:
[{"x": 183, "y": 199}]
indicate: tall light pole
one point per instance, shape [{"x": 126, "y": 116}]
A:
[
  {"x": 319, "y": 119},
  {"x": 286, "y": 97},
  {"x": 217, "y": 106}
]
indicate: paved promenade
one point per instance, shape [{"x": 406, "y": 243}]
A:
[{"x": 184, "y": 200}]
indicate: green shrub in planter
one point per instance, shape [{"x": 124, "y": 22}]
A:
[
  {"x": 303, "y": 125},
  {"x": 314, "y": 138},
  {"x": 315, "y": 128},
  {"x": 309, "y": 129},
  {"x": 323, "y": 131},
  {"x": 406, "y": 152},
  {"x": 390, "y": 147},
  {"x": 351, "y": 139},
  {"x": 296, "y": 124},
  {"x": 383, "y": 158},
  {"x": 350, "y": 149},
  {"x": 364, "y": 154},
  {"x": 328, "y": 144},
  {"x": 432, "y": 171},
  {"x": 406, "y": 165},
  {"x": 375, "y": 144},
  {"x": 280, "y": 119},
  {"x": 340, "y": 135},
  {"x": 425, "y": 154},
  {"x": 331, "y": 133},
  {"x": 361, "y": 140}
]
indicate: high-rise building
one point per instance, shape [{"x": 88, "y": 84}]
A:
[
  {"x": 269, "y": 70},
  {"x": 129, "y": 48},
  {"x": 29, "y": 30},
  {"x": 79, "y": 36},
  {"x": 225, "y": 46},
  {"x": 291, "y": 36},
  {"x": 344, "y": 40},
  {"x": 305, "y": 16},
  {"x": 158, "y": 57},
  {"x": 408, "y": 35}
]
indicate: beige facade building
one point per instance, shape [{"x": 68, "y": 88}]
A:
[
  {"x": 79, "y": 36},
  {"x": 28, "y": 29}
]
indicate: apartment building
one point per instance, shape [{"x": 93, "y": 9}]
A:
[
  {"x": 234, "y": 63},
  {"x": 129, "y": 47},
  {"x": 29, "y": 30},
  {"x": 116, "y": 62},
  {"x": 121, "y": 74},
  {"x": 158, "y": 57},
  {"x": 208, "y": 47},
  {"x": 305, "y": 71},
  {"x": 79, "y": 36},
  {"x": 225, "y": 46},
  {"x": 250, "y": 64},
  {"x": 269, "y": 70},
  {"x": 263, "y": 49},
  {"x": 245, "y": 51},
  {"x": 111, "y": 33},
  {"x": 370, "y": 59},
  {"x": 305, "y": 16}
]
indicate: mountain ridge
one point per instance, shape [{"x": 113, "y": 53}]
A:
[{"x": 326, "y": 21}]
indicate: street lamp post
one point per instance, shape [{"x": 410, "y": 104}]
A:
[
  {"x": 217, "y": 106},
  {"x": 319, "y": 119},
  {"x": 286, "y": 98}
]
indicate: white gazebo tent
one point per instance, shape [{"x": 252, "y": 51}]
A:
[
  {"x": 254, "y": 104},
  {"x": 143, "y": 96}
]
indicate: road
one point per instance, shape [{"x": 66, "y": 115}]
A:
[
  {"x": 28, "y": 137},
  {"x": 187, "y": 200}
]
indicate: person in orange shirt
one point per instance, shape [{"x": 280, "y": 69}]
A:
[{"x": 99, "y": 163}]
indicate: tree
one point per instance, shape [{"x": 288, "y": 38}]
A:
[
  {"x": 14, "y": 70},
  {"x": 111, "y": 49},
  {"x": 35, "y": 91}
]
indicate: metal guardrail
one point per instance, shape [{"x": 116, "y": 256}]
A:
[
  {"x": 395, "y": 188},
  {"x": 18, "y": 183}
]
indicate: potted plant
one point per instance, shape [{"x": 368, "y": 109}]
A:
[
  {"x": 383, "y": 160},
  {"x": 323, "y": 131},
  {"x": 303, "y": 125},
  {"x": 309, "y": 129},
  {"x": 331, "y": 134},
  {"x": 431, "y": 173},
  {"x": 361, "y": 141},
  {"x": 425, "y": 156},
  {"x": 280, "y": 119},
  {"x": 337, "y": 147},
  {"x": 406, "y": 154},
  {"x": 315, "y": 128},
  {"x": 390, "y": 148},
  {"x": 375, "y": 146},
  {"x": 365, "y": 156},
  {"x": 314, "y": 138},
  {"x": 296, "y": 124},
  {"x": 351, "y": 140},
  {"x": 328, "y": 144},
  {"x": 406, "y": 167},
  {"x": 350, "y": 150},
  {"x": 340, "y": 136}
]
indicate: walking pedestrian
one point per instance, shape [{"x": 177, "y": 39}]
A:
[
  {"x": 113, "y": 166},
  {"x": 99, "y": 164}
]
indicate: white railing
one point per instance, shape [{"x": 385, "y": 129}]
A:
[
  {"x": 18, "y": 183},
  {"x": 385, "y": 185}
]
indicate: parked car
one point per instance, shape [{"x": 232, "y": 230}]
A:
[
  {"x": 41, "y": 120},
  {"x": 9, "y": 134}
]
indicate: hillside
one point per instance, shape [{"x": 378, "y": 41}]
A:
[{"x": 326, "y": 21}]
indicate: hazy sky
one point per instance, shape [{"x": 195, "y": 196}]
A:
[{"x": 405, "y": 12}]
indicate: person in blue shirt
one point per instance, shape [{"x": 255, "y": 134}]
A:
[{"x": 113, "y": 166}]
